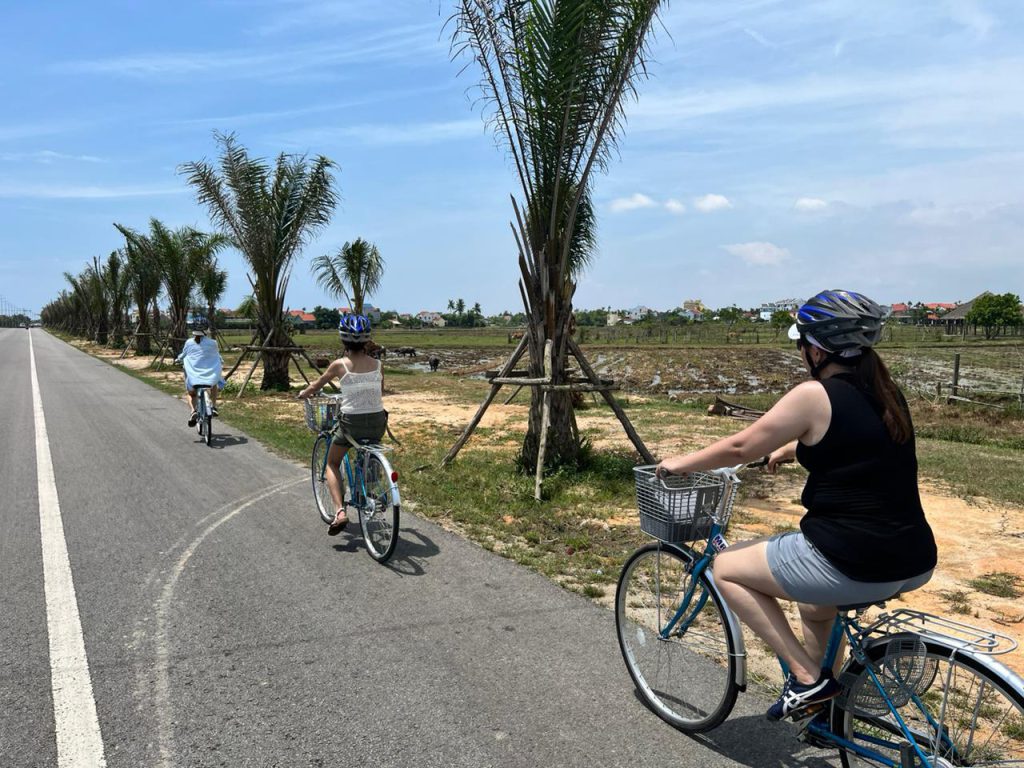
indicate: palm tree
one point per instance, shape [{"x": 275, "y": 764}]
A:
[
  {"x": 212, "y": 284},
  {"x": 182, "y": 254},
  {"x": 556, "y": 74},
  {"x": 146, "y": 279},
  {"x": 116, "y": 282},
  {"x": 353, "y": 273},
  {"x": 269, "y": 214}
]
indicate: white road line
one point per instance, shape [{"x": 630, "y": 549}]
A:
[{"x": 79, "y": 744}]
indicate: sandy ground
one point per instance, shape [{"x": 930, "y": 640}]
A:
[{"x": 975, "y": 537}]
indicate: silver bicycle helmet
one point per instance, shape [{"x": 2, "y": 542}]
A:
[{"x": 840, "y": 322}]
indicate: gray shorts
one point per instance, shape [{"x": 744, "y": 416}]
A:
[{"x": 807, "y": 576}]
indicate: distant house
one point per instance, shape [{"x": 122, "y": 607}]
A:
[
  {"x": 769, "y": 308},
  {"x": 690, "y": 314},
  {"x": 302, "y": 319},
  {"x": 614, "y": 318},
  {"x": 696, "y": 306},
  {"x": 371, "y": 312},
  {"x": 638, "y": 313},
  {"x": 901, "y": 313},
  {"x": 431, "y": 318}
]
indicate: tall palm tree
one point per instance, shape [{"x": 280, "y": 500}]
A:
[
  {"x": 182, "y": 254},
  {"x": 269, "y": 214},
  {"x": 116, "y": 282},
  {"x": 146, "y": 281},
  {"x": 556, "y": 75},
  {"x": 353, "y": 273},
  {"x": 213, "y": 281}
]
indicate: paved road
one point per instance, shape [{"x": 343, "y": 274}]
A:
[{"x": 224, "y": 628}]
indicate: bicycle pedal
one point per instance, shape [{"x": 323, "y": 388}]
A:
[{"x": 809, "y": 712}]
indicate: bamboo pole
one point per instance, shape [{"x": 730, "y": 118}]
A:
[
  {"x": 616, "y": 408},
  {"x": 512, "y": 397},
  {"x": 253, "y": 369},
  {"x": 509, "y": 364},
  {"x": 545, "y": 422}
]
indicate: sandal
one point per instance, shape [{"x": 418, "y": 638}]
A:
[{"x": 340, "y": 521}]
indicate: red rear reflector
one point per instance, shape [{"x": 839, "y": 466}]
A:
[{"x": 394, "y": 477}]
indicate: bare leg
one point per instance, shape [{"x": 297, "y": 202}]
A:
[
  {"x": 192, "y": 400},
  {"x": 750, "y": 591},
  {"x": 213, "y": 396},
  {"x": 817, "y": 625},
  {"x": 335, "y": 483}
]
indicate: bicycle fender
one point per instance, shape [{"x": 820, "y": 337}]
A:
[{"x": 737, "y": 633}]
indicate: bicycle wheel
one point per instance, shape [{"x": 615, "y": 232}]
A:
[
  {"x": 318, "y": 470},
  {"x": 208, "y": 436},
  {"x": 200, "y": 414},
  {"x": 378, "y": 514},
  {"x": 959, "y": 710},
  {"x": 689, "y": 677}
]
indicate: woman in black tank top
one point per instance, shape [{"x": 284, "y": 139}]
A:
[{"x": 864, "y": 537}]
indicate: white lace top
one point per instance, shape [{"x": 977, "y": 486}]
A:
[{"x": 360, "y": 392}]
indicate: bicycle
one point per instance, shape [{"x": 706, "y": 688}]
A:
[
  {"x": 918, "y": 690},
  {"x": 204, "y": 413},
  {"x": 372, "y": 485}
]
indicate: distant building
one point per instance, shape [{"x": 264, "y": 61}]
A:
[
  {"x": 766, "y": 310},
  {"x": 431, "y": 318},
  {"x": 301, "y": 318},
  {"x": 614, "y": 318},
  {"x": 696, "y": 306},
  {"x": 638, "y": 313},
  {"x": 371, "y": 312}
]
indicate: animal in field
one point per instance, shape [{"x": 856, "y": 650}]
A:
[
  {"x": 434, "y": 362},
  {"x": 406, "y": 352},
  {"x": 376, "y": 350},
  {"x": 516, "y": 336}
]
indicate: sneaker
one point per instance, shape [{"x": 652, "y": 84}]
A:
[
  {"x": 193, "y": 419},
  {"x": 797, "y": 696}
]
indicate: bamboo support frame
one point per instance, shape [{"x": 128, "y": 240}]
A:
[{"x": 545, "y": 422}]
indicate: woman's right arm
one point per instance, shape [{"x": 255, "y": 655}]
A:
[
  {"x": 783, "y": 455},
  {"x": 333, "y": 372}
]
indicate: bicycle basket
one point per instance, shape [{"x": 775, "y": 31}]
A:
[
  {"x": 321, "y": 413},
  {"x": 905, "y": 671},
  {"x": 680, "y": 508}
]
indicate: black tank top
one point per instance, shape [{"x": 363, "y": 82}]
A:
[{"x": 863, "y": 508}]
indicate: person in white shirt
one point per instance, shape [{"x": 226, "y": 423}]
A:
[
  {"x": 203, "y": 367},
  {"x": 362, "y": 415}
]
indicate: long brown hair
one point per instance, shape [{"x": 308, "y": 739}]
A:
[{"x": 876, "y": 379}]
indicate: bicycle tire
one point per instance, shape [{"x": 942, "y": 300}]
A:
[
  {"x": 200, "y": 414},
  {"x": 981, "y": 724},
  {"x": 688, "y": 679},
  {"x": 209, "y": 429},
  {"x": 379, "y": 512},
  {"x": 321, "y": 491}
]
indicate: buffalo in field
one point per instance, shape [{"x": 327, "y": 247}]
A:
[{"x": 434, "y": 362}]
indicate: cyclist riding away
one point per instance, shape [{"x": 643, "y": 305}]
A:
[
  {"x": 203, "y": 367},
  {"x": 361, "y": 410},
  {"x": 864, "y": 537}
]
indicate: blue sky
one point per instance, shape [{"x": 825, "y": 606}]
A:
[{"x": 780, "y": 146}]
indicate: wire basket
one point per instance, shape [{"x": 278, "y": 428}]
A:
[
  {"x": 905, "y": 671},
  {"x": 680, "y": 508},
  {"x": 321, "y": 412}
]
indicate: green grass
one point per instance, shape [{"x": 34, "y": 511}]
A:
[{"x": 998, "y": 584}]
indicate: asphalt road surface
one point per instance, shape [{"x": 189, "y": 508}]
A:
[{"x": 218, "y": 624}]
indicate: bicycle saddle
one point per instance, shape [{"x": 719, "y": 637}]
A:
[{"x": 863, "y": 606}]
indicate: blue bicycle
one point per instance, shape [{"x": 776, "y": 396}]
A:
[
  {"x": 371, "y": 487},
  {"x": 919, "y": 691}
]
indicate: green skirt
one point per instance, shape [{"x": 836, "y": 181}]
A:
[{"x": 361, "y": 427}]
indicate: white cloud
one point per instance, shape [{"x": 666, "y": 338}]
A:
[
  {"x": 631, "y": 203},
  {"x": 675, "y": 206},
  {"x": 79, "y": 192},
  {"x": 46, "y": 156},
  {"x": 711, "y": 202},
  {"x": 810, "y": 204},
  {"x": 759, "y": 38},
  {"x": 758, "y": 253},
  {"x": 971, "y": 15}
]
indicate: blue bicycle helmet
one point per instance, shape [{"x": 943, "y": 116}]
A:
[
  {"x": 840, "y": 322},
  {"x": 354, "y": 328}
]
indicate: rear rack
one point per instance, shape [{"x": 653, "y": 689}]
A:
[{"x": 927, "y": 625}]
